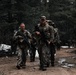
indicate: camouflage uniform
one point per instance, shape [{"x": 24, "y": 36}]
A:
[
  {"x": 33, "y": 49},
  {"x": 56, "y": 38},
  {"x": 56, "y": 35},
  {"x": 22, "y": 44},
  {"x": 46, "y": 35}
]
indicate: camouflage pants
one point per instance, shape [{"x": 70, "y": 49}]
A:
[
  {"x": 32, "y": 52},
  {"x": 52, "y": 52},
  {"x": 22, "y": 53},
  {"x": 43, "y": 54}
]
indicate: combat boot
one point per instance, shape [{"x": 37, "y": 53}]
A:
[
  {"x": 48, "y": 64},
  {"x": 52, "y": 64},
  {"x": 42, "y": 68},
  {"x": 18, "y": 67}
]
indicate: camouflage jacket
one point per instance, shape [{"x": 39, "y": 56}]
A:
[
  {"x": 47, "y": 32},
  {"x": 56, "y": 35},
  {"x": 20, "y": 33}
]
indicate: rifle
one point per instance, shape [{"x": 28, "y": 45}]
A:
[{"x": 25, "y": 38}]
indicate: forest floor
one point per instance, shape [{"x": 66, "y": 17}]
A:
[{"x": 65, "y": 64}]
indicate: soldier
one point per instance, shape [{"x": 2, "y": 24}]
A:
[
  {"x": 56, "y": 35},
  {"x": 45, "y": 33},
  {"x": 22, "y": 36},
  {"x": 33, "y": 49}
]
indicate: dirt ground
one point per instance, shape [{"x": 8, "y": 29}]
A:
[{"x": 7, "y": 65}]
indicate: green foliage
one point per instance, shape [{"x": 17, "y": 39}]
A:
[
  {"x": 62, "y": 12},
  {"x": 13, "y": 12}
]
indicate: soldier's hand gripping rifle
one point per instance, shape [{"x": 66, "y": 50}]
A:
[{"x": 24, "y": 37}]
